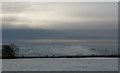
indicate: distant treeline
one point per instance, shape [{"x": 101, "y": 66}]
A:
[
  {"x": 68, "y": 56},
  {"x": 11, "y": 51},
  {"x": 72, "y": 56}
]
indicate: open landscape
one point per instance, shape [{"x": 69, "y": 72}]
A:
[
  {"x": 61, "y": 64},
  {"x": 59, "y": 36}
]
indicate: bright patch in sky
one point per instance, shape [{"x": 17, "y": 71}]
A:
[{"x": 53, "y": 15}]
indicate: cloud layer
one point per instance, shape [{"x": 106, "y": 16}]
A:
[{"x": 60, "y": 21}]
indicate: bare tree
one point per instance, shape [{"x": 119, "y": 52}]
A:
[{"x": 10, "y": 51}]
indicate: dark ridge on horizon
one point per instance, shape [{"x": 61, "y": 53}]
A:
[{"x": 67, "y": 56}]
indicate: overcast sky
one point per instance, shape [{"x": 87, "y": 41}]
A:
[{"x": 75, "y": 22}]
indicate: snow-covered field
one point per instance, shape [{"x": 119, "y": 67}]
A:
[{"x": 61, "y": 64}]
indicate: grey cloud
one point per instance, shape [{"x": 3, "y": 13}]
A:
[
  {"x": 13, "y": 7},
  {"x": 20, "y": 36},
  {"x": 7, "y": 22},
  {"x": 91, "y": 25},
  {"x": 28, "y": 34},
  {"x": 8, "y": 19}
]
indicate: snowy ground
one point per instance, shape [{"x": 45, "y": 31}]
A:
[{"x": 61, "y": 64}]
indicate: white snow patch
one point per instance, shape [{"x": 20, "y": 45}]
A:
[{"x": 61, "y": 64}]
